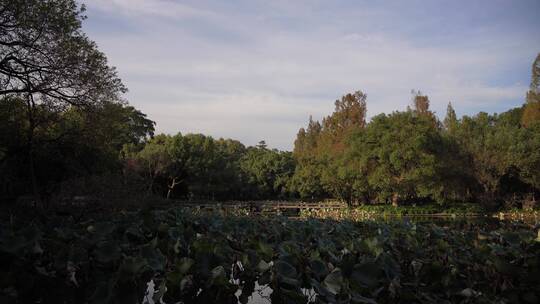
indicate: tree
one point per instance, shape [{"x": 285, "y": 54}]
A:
[
  {"x": 535, "y": 78},
  {"x": 230, "y": 178},
  {"x": 70, "y": 145},
  {"x": 349, "y": 113},
  {"x": 450, "y": 121},
  {"x": 349, "y": 117},
  {"x": 487, "y": 142},
  {"x": 527, "y": 157},
  {"x": 45, "y": 54},
  {"x": 201, "y": 163},
  {"x": 268, "y": 172},
  {"x": 307, "y": 177},
  {"x": 400, "y": 153},
  {"x": 420, "y": 103},
  {"x": 262, "y": 144},
  {"x": 320, "y": 149},
  {"x": 12, "y": 141},
  {"x": 155, "y": 159},
  {"x": 46, "y": 59},
  {"x": 531, "y": 113}
]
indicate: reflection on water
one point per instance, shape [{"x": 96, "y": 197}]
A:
[{"x": 260, "y": 295}]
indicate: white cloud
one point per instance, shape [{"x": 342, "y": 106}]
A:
[
  {"x": 164, "y": 8},
  {"x": 266, "y": 83}
]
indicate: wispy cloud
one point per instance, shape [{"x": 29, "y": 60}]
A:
[
  {"x": 256, "y": 70},
  {"x": 159, "y": 8}
]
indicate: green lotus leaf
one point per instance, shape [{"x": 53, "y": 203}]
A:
[
  {"x": 107, "y": 252},
  {"x": 101, "y": 230},
  {"x": 153, "y": 257},
  {"x": 265, "y": 278},
  {"x": 134, "y": 234},
  {"x": 319, "y": 269},
  {"x": 186, "y": 283},
  {"x": 513, "y": 238},
  {"x": 218, "y": 276},
  {"x": 163, "y": 228},
  {"x": 506, "y": 268},
  {"x": 373, "y": 246},
  {"x": 184, "y": 264},
  {"x": 334, "y": 281},
  {"x": 365, "y": 275},
  {"x": 389, "y": 265},
  {"x": 293, "y": 296},
  {"x": 177, "y": 246},
  {"x": 264, "y": 250},
  {"x": 356, "y": 298},
  {"x": 319, "y": 289},
  {"x": 102, "y": 294},
  {"x": 530, "y": 297},
  {"x": 244, "y": 297},
  {"x": 289, "y": 282},
  {"x": 132, "y": 266},
  {"x": 432, "y": 272},
  {"x": 284, "y": 269},
  {"x": 15, "y": 244},
  {"x": 159, "y": 292},
  {"x": 263, "y": 266},
  {"x": 289, "y": 248}
]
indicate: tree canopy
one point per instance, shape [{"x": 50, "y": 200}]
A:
[
  {"x": 44, "y": 53},
  {"x": 64, "y": 124}
]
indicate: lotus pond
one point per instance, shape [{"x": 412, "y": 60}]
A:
[{"x": 209, "y": 258}]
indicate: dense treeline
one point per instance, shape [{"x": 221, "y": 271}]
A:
[
  {"x": 199, "y": 166},
  {"x": 411, "y": 156},
  {"x": 65, "y": 131},
  {"x": 61, "y": 109},
  {"x": 402, "y": 157},
  {"x": 67, "y": 145},
  {"x": 111, "y": 150}
]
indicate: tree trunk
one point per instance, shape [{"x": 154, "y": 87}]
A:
[
  {"x": 33, "y": 179},
  {"x": 395, "y": 200},
  {"x": 171, "y": 187},
  {"x": 30, "y": 144},
  {"x": 151, "y": 186}
]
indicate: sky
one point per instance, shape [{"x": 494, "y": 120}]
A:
[{"x": 256, "y": 70}]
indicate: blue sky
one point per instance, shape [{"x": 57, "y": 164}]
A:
[{"x": 255, "y": 70}]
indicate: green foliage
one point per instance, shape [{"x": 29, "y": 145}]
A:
[
  {"x": 66, "y": 145},
  {"x": 500, "y": 154},
  {"x": 306, "y": 180},
  {"x": 535, "y": 74},
  {"x": 45, "y": 54},
  {"x": 53, "y": 79},
  {"x": 401, "y": 152},
  {"x": 192, "y": 258},
  {"x": 268, "y": 172},
  {"x": 410, "y": 157},
  {"x": 63, "y": 123},
  {"x": 450, "y": 121},
  {"x": 198, "y": 166},
  {"x": 320, "y": 149},
  {"x": 531, "y": 113}
]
